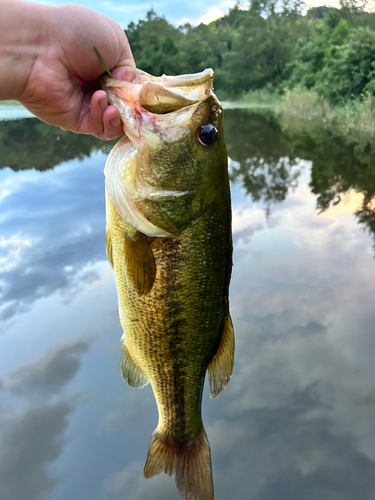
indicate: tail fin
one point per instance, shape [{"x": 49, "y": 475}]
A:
[
  {"x": 161, "y": 457},
  {"x": 191, "y": 463},
  {"x": 193, "y": 475}
]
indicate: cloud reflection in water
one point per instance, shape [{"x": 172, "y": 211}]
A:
[
  {"x": 59, "y": 218},
  {"x": 32, "y": 430}
]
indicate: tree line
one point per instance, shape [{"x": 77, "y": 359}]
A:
[{"x": 270, "y": 44}]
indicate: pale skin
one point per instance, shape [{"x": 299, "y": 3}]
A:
[{"x": 47, "y": 63}]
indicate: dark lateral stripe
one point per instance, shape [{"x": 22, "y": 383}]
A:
[{"x": 174, "y": 309}]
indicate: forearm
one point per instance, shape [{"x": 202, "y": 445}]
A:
[{"x": 22, "y": 31}]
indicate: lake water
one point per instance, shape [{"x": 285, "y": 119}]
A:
[{"x": 297, "y": 421}]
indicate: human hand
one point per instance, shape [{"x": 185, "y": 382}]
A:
[{"x": 61, "y": 87}]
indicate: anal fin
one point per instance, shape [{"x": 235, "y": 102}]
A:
[
  {"x": 140, "y": 263},
  {"x": 221, "y": 367},
  {"x": 130, "y": 369}
]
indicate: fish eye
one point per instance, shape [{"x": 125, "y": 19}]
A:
[{"x": 208, "y": 134}]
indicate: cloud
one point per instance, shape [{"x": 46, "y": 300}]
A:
[
  {"x": 49, "y": 375},
  {"x": 198, "y": 12},
  {"x": 134, "y": 407},
  {"x": 10, "y": 250},
  {"x": 53, "y": 232},
  {"x": 130, "y": 481},
  {"x": 30, "y": 442},
  {"x": 212, "y": 14},
  {"x": 292, "y": 451},
  {"x": 32, "y": 431}
]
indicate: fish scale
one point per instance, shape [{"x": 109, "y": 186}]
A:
[
  {"x": 173, "y": 290},
  {"x": 195, "y": 299}
]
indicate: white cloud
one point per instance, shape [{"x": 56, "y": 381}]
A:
[
  {"x": 130, "y": 482},
  {"x": 13, "y": 248},
  {"x": 243, "y": 218},
  {"x": 212, "y": 14},
  {"x": 4, "y": 193}
]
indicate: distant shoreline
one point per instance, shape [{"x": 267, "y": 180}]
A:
[{"x": 303, "y": 108}]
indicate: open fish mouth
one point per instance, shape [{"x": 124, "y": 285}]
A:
[
  {"x": 152, "y": 109},
  {"x": 144, "y": 102},
  {"x": 162, "y": 94}
]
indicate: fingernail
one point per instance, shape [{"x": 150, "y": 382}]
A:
[
  {"x": 126, "y": 74},
  {"x": 103, "y": 103},
  {"x": 115, "y": 122},
  {"x": 129, "y": 74}
]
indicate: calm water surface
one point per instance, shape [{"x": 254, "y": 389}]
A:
[{"x": 297, "y": 421}]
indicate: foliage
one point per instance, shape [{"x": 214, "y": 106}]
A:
[
  {"x": 272, "y": 44},
  {"x": 318, "y": 66},
  {"x": 353, "y": 118}
]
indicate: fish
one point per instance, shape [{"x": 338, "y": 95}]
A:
[{"x": 169, "y": 242}]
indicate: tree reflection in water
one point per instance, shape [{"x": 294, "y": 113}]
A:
[
  {"x": 263, "y": 159},
  {"x": 267, "y": 148},
  {"x": 29, "y": 143}
]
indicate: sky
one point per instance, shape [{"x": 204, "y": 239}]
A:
[{"x": 176, "y": 12}]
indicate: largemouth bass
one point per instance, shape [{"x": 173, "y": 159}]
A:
[{"x": 169, "y": 243}]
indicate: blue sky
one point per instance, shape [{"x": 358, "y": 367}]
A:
[{"x": 177, "y": 12}]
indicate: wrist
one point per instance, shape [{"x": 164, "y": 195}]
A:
[{"x": 23, "y": 31}]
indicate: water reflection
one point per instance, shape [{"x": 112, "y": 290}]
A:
[
  {"x": 297, "y": 420},
  {"x": 267, "y": 149},
  {"x": 30, "y": 143},
  {"x": 32, "y": 433},
  {"x": 264, "y": 162},
  {"x": 51, "y": 227}
]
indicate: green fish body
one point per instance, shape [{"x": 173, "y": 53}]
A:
[{"x": 169, "y": 243}]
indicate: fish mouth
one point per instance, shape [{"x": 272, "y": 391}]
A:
[
  {"x": 144, "y": 101},
  {"x": 150, "y": 107},
  {"x": 162, "y": 94}
]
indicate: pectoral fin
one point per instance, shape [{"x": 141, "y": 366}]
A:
[
  {"x": 139, "y": 263},
  {"x": 221, "y": 367},
  {"x": 130, "y": 369},
  {"x": 108, "y": 247}
]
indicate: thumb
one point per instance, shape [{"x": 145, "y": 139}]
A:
[
  {"x": 125, "y": 67},
  {"x": 125, "y": 72}
]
